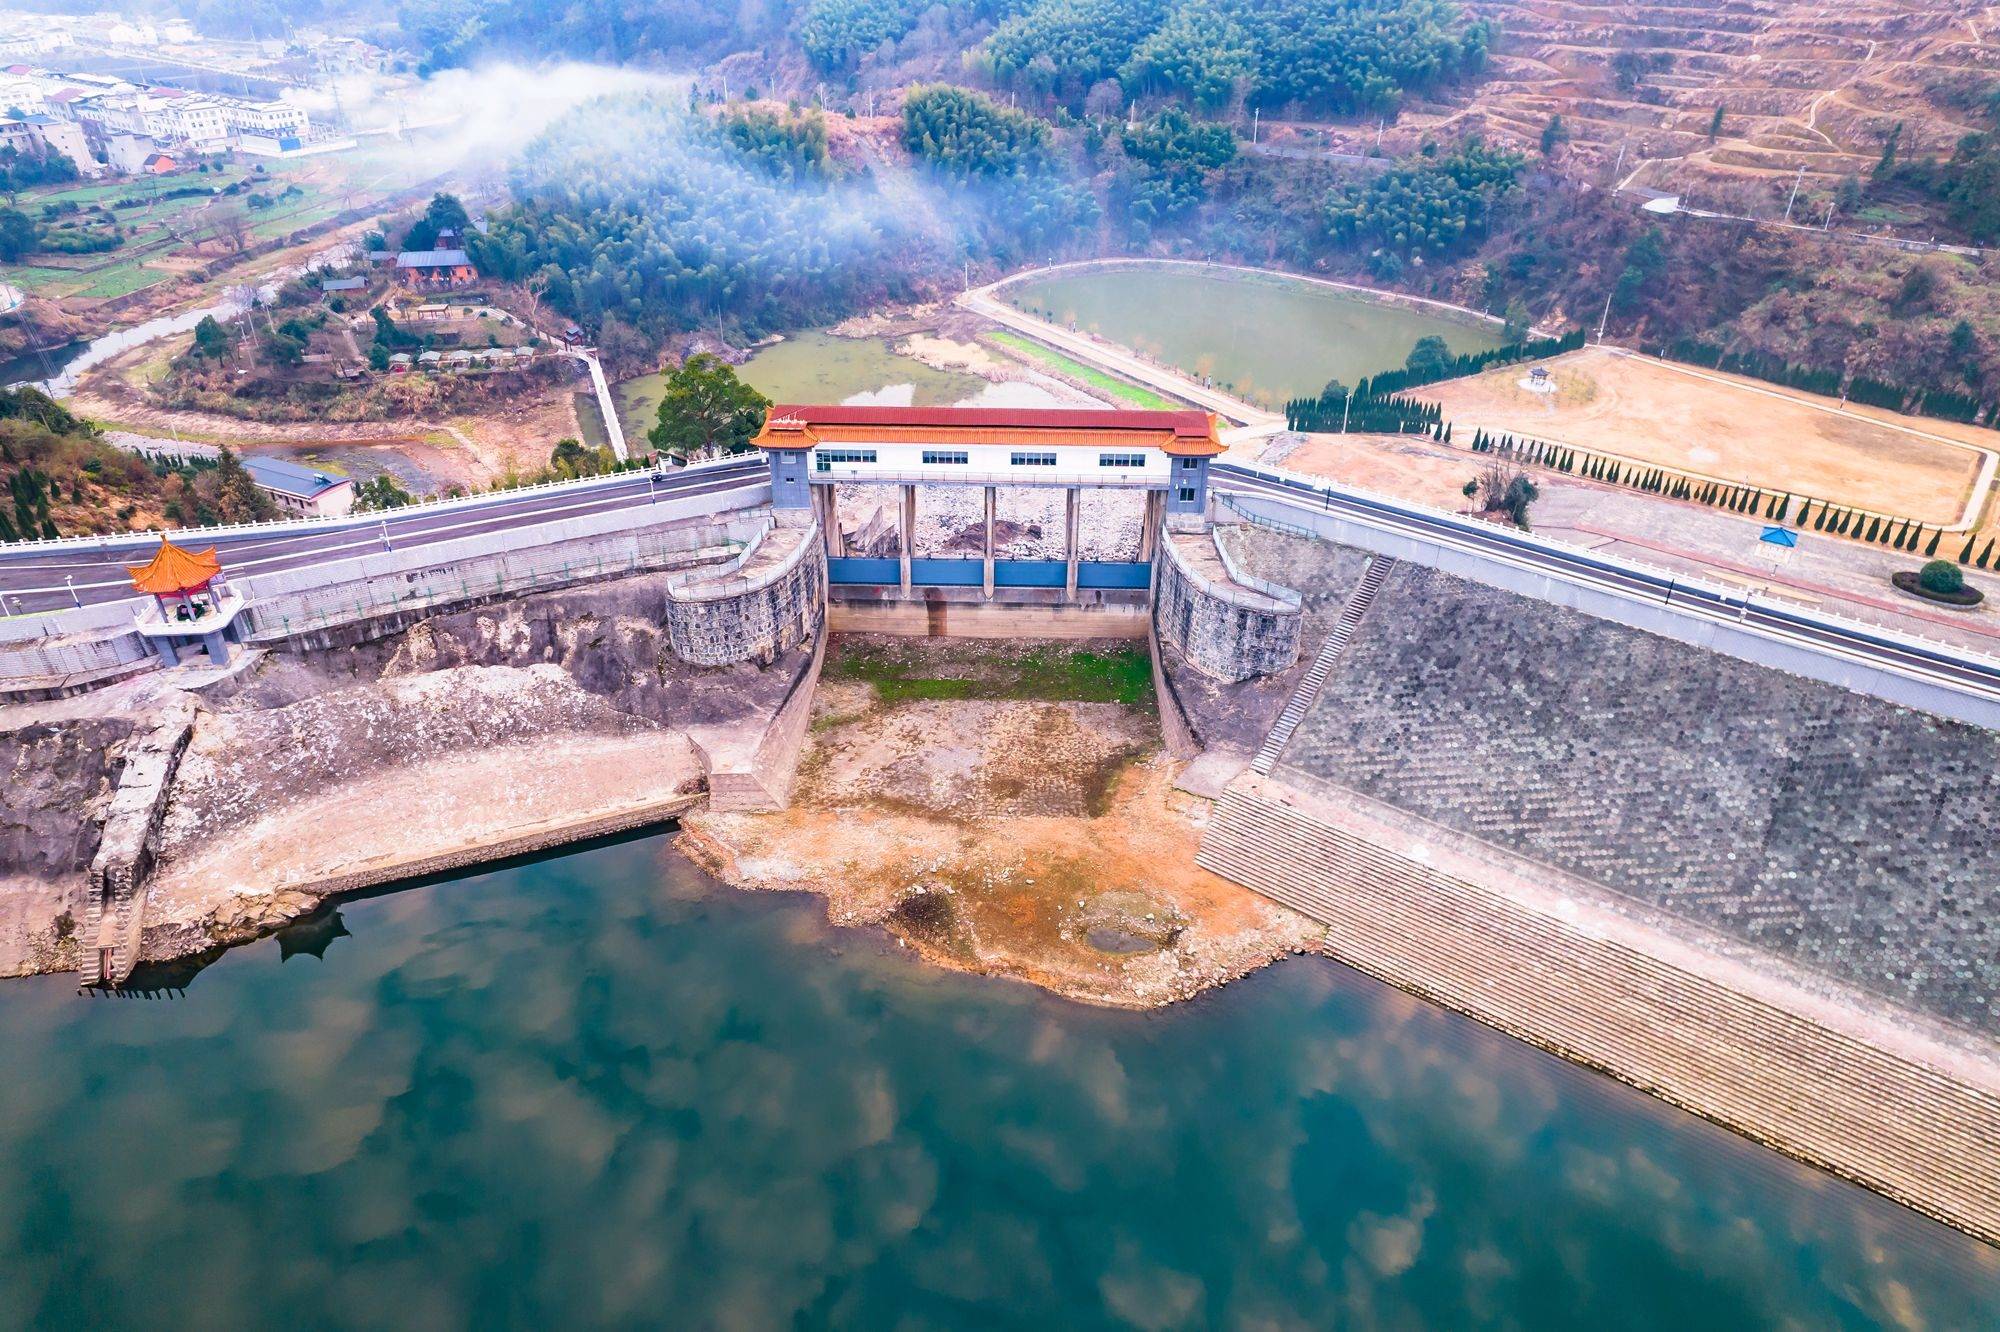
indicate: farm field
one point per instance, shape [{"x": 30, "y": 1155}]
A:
[
  {"x": 1728, "y": 428},
  {"x": 168, "y": 233}
]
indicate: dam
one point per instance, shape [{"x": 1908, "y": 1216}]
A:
[{"x": 1642, "y": 825}]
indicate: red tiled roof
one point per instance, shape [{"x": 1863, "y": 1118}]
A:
[
  {"x": 794, "y": 426},
  {"x": 174, "y": 570},
  {"x": 1190, "y": 423}
]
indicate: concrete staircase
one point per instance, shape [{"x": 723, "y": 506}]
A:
[
  {"x": 1336, "y": 642},
  {"x": 1841, "y": 1087}
]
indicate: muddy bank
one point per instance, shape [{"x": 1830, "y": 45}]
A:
[{"x": 1019, "y": 833}]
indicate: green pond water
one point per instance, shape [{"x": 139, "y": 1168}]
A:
[
  {"x": 816, "y": 367},
  {"x": 1265, "y": 337},
  {"x": 600, "y": 1090}
]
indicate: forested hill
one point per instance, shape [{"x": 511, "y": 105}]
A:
[
  {"x": 1315, "y": 56},
  {"x": 639, "y": 210},
  {"x": 642, "y": 212}
]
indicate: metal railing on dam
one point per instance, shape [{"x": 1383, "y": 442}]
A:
[{"x": 1901, "y": 668}]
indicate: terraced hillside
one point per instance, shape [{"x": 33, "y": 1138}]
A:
[{"x": 1812, "y": 85}]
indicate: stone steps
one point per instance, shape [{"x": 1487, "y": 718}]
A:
[
  {"x": 1915, "y": 1133},
  {"x": 1307, "y": 693}
]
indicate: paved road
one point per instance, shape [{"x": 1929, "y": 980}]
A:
[
  {"x": 33, "y": 577},
  {"x": 1967, "y": 672}
]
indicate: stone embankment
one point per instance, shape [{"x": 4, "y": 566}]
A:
[
  {"x": 114, "y": 911},
  {"x": 1861, "y": 1092}
]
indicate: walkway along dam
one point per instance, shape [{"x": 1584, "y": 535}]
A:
[{"x": 1734, "y": 853}]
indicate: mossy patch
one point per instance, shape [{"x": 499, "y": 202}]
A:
[{"x": 933, "y": 670}]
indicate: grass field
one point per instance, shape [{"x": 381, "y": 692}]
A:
[
  {"x": 1728, "y": 428},
  {"x": 1132, "y": 395}
]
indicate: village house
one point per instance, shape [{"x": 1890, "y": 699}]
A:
[
  {"x": 301, "y": 492},
  {"x": 435, "y": 270}
]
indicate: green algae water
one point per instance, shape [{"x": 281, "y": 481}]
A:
[
  {"x": 816, "y": 366},
  {"x": 1265, "y": 337},
  {"x": 601, "y": 1090}
]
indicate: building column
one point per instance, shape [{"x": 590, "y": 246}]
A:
[
  {"x": 909, "y": 532},
  {"x": 164, "y": 649},
  {"x": 992, "y": 497},
  {"x": 1069, "y": 541},
  {"x": 829, "y": 521},
  {"x": 218, "y": 650},
  {"x": 1149, "y": 535}
]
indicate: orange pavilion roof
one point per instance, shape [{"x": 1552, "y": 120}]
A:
[{"x": 174, "y": 570}]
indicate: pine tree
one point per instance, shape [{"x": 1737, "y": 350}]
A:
[
  {"x": 1965, "y": 556},
  {"x": 1932, "y": 548},
  {"x": 1986, "y": 554},
  {"x": 1875, "y": 530}
]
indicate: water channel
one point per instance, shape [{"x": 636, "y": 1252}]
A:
[{"x": 600, "y": 1089}]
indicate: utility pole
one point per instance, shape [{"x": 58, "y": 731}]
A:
[
  {"x": 1604, "y": 318},
  {"x": 1796, "y": 182},
  {"x": 1618, "y": 166},
  {"x": 1256, "y": 120}
]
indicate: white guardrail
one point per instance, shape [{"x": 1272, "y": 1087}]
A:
[
  {"x": 421, "y": 508},
  {"x": 1566, "y": 554}
]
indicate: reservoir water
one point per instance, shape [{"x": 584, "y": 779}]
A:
[
  {"x": 1265, "y": 337},
  {"x": 600, "y": 1089},
  {"x": 816, "y": 366}
]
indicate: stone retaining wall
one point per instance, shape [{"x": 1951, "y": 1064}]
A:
[
  {"x": 1225, "y": 630},
  {"x": 755, "y": 609},
  {"x": 1880, "y": 1098},
  {"x": 1846, "y": 834}
]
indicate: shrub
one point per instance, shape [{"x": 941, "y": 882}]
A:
[{"x": 1941, "y": 577}]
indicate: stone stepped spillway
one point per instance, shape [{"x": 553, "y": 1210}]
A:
[
  {"x": 1839, "y": 1092},
  {"x": 1336, "y": 643}
]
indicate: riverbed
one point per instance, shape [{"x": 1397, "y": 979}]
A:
[
  {"x": 598, "y": 1088},
  {"x": 1266, "y": 337}
]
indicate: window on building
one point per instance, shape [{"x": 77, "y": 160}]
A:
[
  {"x": 1121, "y": 460},
  {"x": 1187, "y": 494},
  {"x": 824, "y": 459},
  {"x": 1033, "y": 459},
  {"x": 1189, "y": 464},
  {"x": 947, "y": 457}
]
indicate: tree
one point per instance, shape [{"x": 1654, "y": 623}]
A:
[
  {"x": 211, "y": 339},
  {"x": 17, "y": 235},
  {"x": 706, "y": 409},
  {"x": 1554, "y": 134},
  {"x": 443, "y": 213},
  {"x": 1715, "y": 125},
  {"x": 381, "y": 492},
  {"x": 573, "y": 458},
  {"x": 1430, "y": 359},
  {"x": 1886, "y": 163},
  {"x": 1941, "y": 577},
  {"x": 237, "y": 498}
]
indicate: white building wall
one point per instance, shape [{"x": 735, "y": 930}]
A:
[{"x": 993, "y": 464}]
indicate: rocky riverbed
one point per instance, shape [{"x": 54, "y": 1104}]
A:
[{"x": 1038, "y": 838}]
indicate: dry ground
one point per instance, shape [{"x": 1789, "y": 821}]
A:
[
  {"x": 1034, "y": 839},
  {"x": 1728, "y": 428}
]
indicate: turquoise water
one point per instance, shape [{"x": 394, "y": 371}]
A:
[{"x": 599, "y": 1090}]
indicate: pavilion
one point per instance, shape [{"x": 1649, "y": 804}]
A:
[{"x": 191, "y": 603}]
